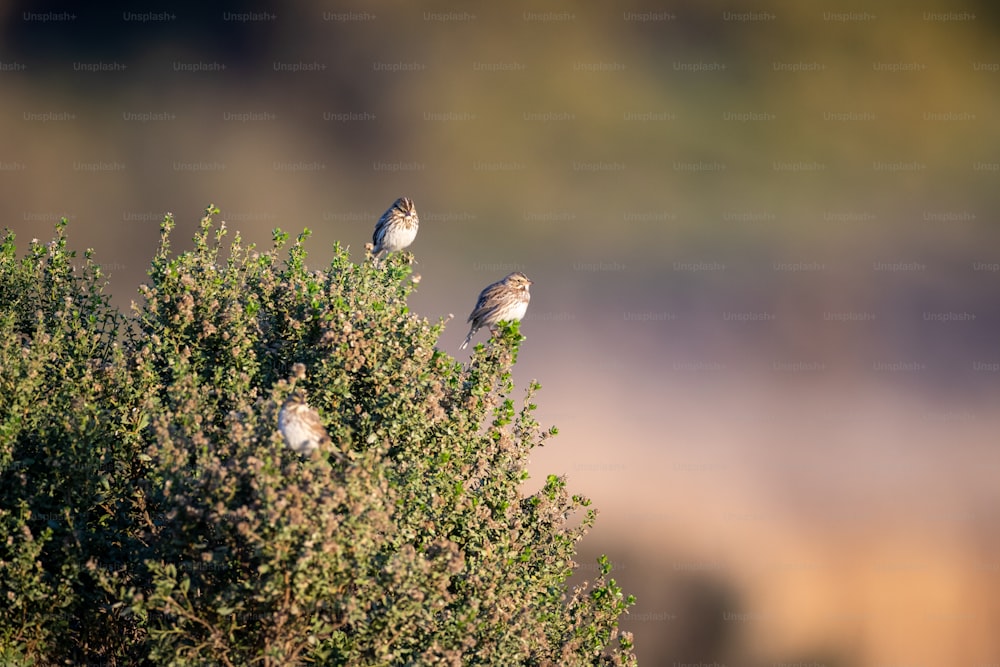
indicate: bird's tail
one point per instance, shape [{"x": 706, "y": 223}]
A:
[{"x": 472, "y": 332}]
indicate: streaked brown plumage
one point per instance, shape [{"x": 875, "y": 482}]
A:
[
  {"x": 505, "y": 300},
  {"x": 397, "y": 227},
  {"x": 300, "y": 425}
]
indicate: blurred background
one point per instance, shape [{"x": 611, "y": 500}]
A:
[{"x": 764, "y": 243}]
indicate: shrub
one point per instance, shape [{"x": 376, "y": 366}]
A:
[{"x": 151, "y": 514}]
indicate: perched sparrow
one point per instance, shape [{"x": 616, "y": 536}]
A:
[
  {"x": 504, "y": 300},
  {"x": 397, "y": 227},
  {"x": 300, "y": 425}
]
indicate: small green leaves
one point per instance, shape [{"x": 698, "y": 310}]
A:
[
  {"x": 150, "y": 497},
  {"x": 279, "y": 238}
]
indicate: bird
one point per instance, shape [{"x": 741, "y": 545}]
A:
[
  {"x": 504, "y": 300},
  {"x": 397, "y": 227},
  {"x": 300, "y": 425}
]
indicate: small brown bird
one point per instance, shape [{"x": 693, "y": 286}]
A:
[
  {"x": 397, "y": 227},
  {"x": 300, "y": 425},
  {"x": 504, "y": 301}
]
